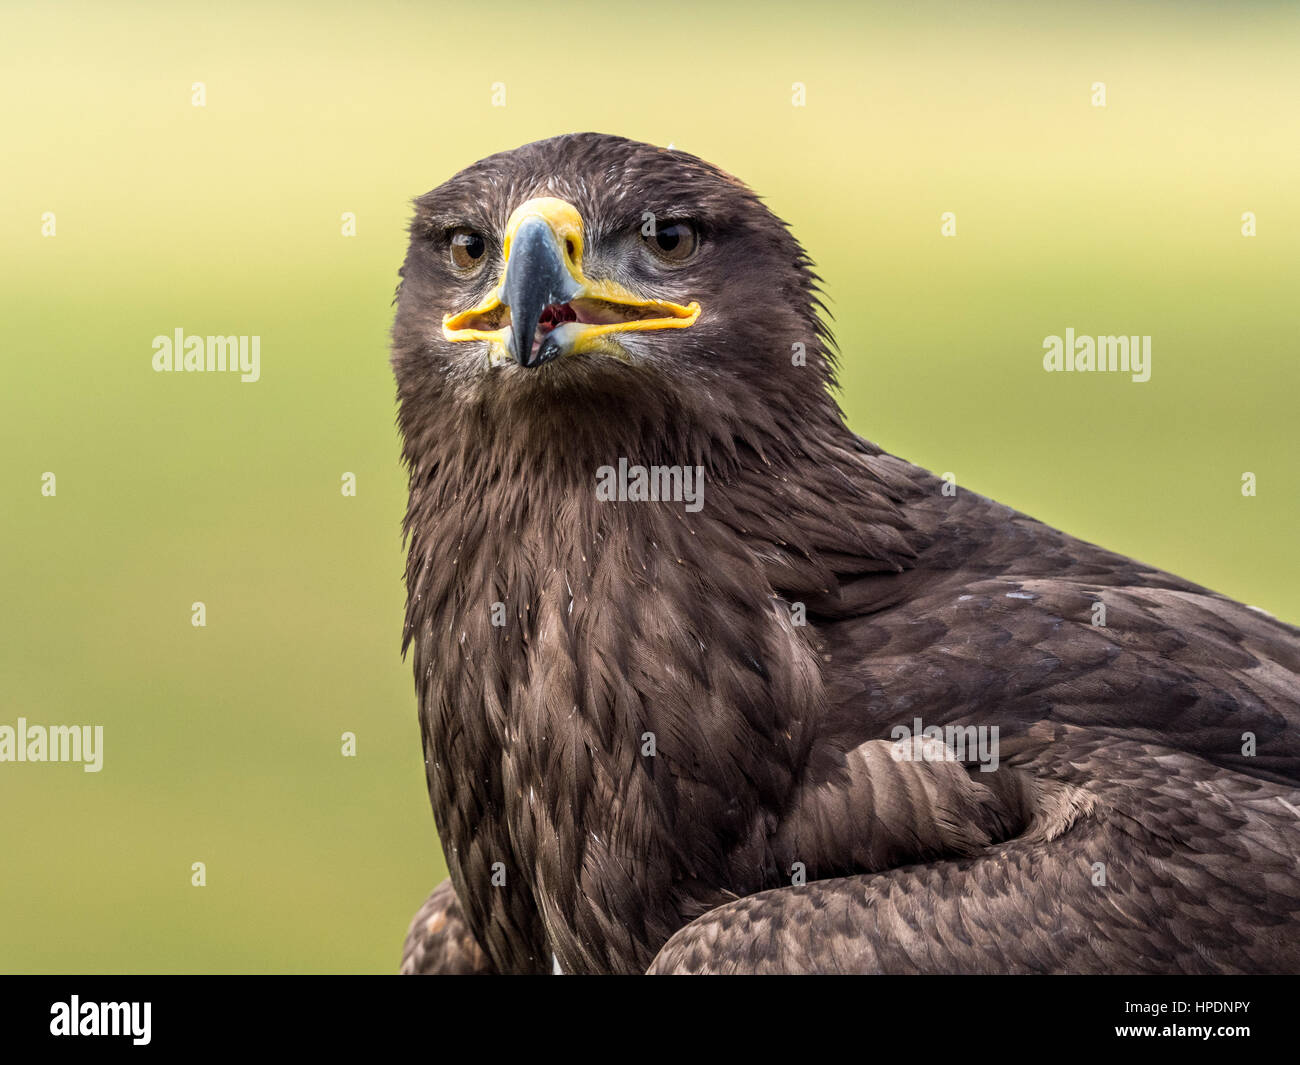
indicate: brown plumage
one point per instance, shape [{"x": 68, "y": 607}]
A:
[{"x": 1121, "y": 746}]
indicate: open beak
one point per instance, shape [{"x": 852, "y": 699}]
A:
[{"x": 545, "y": 306}]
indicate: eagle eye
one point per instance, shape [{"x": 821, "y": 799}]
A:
[
  {"x": 468, "y": 248},
  {"x": 673, "y": 241}
]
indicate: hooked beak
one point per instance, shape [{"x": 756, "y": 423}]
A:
[
  {"x": 544, "y": 306},
  {"x": 537, "y": 277}
]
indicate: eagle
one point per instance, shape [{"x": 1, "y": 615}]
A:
[{"x": 836, "y": 718}]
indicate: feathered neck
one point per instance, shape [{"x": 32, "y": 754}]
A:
[
  {"x": 617, "y": 689},
  {"x": 797, "y": 488}
]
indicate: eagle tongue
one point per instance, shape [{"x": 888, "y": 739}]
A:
[{"x": 536, "y": 278}]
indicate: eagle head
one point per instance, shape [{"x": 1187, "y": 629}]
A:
[{"x": 591, "y": 265}]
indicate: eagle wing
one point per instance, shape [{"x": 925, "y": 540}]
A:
[
  {"x": 1144, "y": 815},
  {"x": 1148, "y": 863}
]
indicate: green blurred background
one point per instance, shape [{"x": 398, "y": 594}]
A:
[{"x": 222, "y": 744}]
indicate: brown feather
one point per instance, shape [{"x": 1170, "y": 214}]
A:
[{"x": 1120, "y": 745}]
